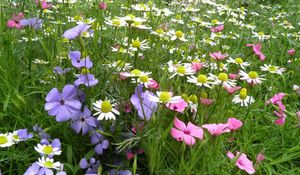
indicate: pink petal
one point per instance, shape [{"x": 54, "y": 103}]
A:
[
  {"x": 179, "y": 124},
  {"x": 234, "y": 123},
  {"x": 230, "y": 155},
  {"x": 245, "y": 164},
  {"x": 176, "y": 134},
  {"x": 195, "y": 131},
  {"x": 189, "y": 140},
  {"x": 280, "y": 121}
]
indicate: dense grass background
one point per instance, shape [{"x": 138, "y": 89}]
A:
[{"x": 22, "y": 95}]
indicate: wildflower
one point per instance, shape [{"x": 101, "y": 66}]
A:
[
  {"x": 234, "y": 124},
  {"x": 272, "y": 69},
  {"x": 21, "y": 135},
  {"x": 242, "y": 98},
  {"x": 43, "y": 4},
  {"x": 257, "y": 50},
  {"x": 77, "y": 62},
  {"x": 183, "y": 70},
  {"x": 281, "y": 117},
  {"x": 179, "y": 106},
  {"x": 48, "y": 163},
  {"x": 218, "y": 55},
  {"x": 178, "y": 35},
  {"x": 105, "y": 110},
  {"x": 134, "y": 73},
  {"x": 137, "y": 44},
  {"x": 83, "y": 122},
  {"x": 261, "y": 36},
  {"x": 217, "y": 29},
  {"x": 222, "y": 79},
  {"x": 239, "y": 61},
  {"x": 60, "y": 71},
  {"x": 76, "y": 31},
  {"x": 260, "y": 157},
  {"x": 98, "y": 140},
  {"x": 291, "y": 52},
  {"x": 120, "y": 65},
  {"x": 86, "y": 78},
  {"x": 6, "y": 140},
  {"x": 186, "y": 133},
  {"x": 141, "y": 102},
  {"x": 116, "y": 22},
  {"x": 252, "y": 77},
  {"x": 196, "y": 66},
  {"x": 36, "y": 23},
  {"x": 45, "y": 148},
  {"x": 33, "y": 169},
  {"x": 91, "y": 166},
  {"x": 217, "y": 129},
  {"x": 233, "y": 89},
  {"x": 164, "y": 97},
  {"x": 62, "y": 105},
  {"x": 242, "y": 162},
  {"x": 201, "y": 80},
  {"x": 14, "y": 22},
  {"x": 102, "y": 5}
]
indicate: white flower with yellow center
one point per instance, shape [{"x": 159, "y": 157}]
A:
[
  {"x": 178, "y": 19},
  {"x": 6, "y": 140},
  {"x": 242, "y": 98},
  {"x": 105, "y": 110},
  {"x": 261, "y": 36},
  {"x": 138, "y": 45},
  {"x": 164, "y": 97},
  {"x": 141, "y": 7},
  {"x": 222, "y": 79},
  {"x": 272, "y": 69},
  {"x": 183, "y": 70},
  {"x": 159, "y": 32},
  {"x": 120, "y": 65},
  {"x": 145, "y": 80},
  {"x": 115, "y": 22},
  {"x": 49, "y": 163},
  {"x": 177, "y": 35},
  {"x": 140, "y": 25},
  {"x": 47, "y": 150},
  {"x": 238, "y": 61},
  {"x": 201, "y": 80},
  {"x": 252, "y": 77},
  {"x": 130, "y": 18},
  {"x": 135, "y": 73}
]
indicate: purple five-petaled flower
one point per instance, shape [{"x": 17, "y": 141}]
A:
[
  {"x": 36, "y": 23},
  {"x": 79, "y": 62},
  {"x": 98, "y": 140},
  {"x": 76, "y": 31},
  {"x": 23, "y": 134},
  {"x": 91, "y": 166},
  {"x": 84, "y": 121}
]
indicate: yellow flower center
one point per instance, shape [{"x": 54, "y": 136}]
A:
[
  {"x": 3, "y": 140},
  {"x": 221, "y": 65},
  {"x": 181, "y": 70},
  {"x": 136, "y": 72},
  {"x": 253, "y": 74},
  {"x": 120, "y": 63},
  {"x": 239, "y": 60},
  {"x": 243, "y": 95},
  {"x": 260, "y": 33},
  {"x": 16, "y": 137},
  {"x": 165, "y": 97},
  {"x": 178, "y": 17},
  {"x": 223, "y": 76},
  {"x": 272, "y": 68},
  {"x": 131, "y": 17},
  {"x": 214, "y": 21},
  {"x": 179, "y": 34},
  {"x": 116, "y": 22},
  {"x": 48, "y": 149},
  {"x": 202, "y": 78},
  {"x": 136, "y": 43},
  {"x": 48, "y": 164},
  {"x": 144, "y": 78},
  {"x": 106, "y": 106},
  {"x": 243, "y": 90},
  {"x": 160, "y": 31},
  {"x": 85, "y": 71},
  {"x": 137, "y": 23}
]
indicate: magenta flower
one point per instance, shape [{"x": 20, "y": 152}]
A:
[
  {"x": 233, "y": 89},
  {"x": 14, "y": 22},
  {"x": 242, "y": 162},
  {"x": 102, "y": 5},
  {"x": 257, "y": 50},
  {"x": 276, "y": 98},
  {"x": 206, "y": 101},
  {"x": 218, "y": 55},
  {"x": 197, "y": 66},
  {"x": 234, "y": 124},
  {"x": 260, "y": 157},
  {"x": 187, "y": 132},
  {"x": 217, "y": 129},
  {"x": 178, "y": 106},
  {"x": 43, "y": 4},
  {"x": 217, "y": 29},
  {"x": 291, "y": 52}
]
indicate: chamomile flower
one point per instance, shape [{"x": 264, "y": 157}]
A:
[
  {"x": 47, "y": 149},
  {"x": 131, "y": 19},
  {"x": 242, "y": 98},
  {"x": 105, "y": 110},
  {"x": 178, "y": 19},
  {"x": 145, "y": 80},
  {"x": 252, "y": 77},
  {"x": 120, "y": 65},
  {"x": 164, "y": 97},
  {"x": 6, "y": 140},
  {"x": 159, "y": 32},
  {"x": 137, "y": 44},
  {"x": 140, "y": 7},
  {"x": 116, "y": 22},
  {"x": 183, "y": 70},
  {"x": 134, "y": 73},
  {"x": 238, "y": 61},
  {"x": 222, "y": 79},
  {"x": 140, "y": 25},
  {"x": 261, "y": 36},
  {"x": 48, "y": 163},
  {"x": 272, "y": 69},
  {"x": 176, "y": 35},
  {"x": 201, "y": 80}
]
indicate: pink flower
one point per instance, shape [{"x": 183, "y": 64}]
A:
[
  {"x": 186, "y": 133},
  {"x": 276, "y": 98},
  {"x": 206, "y": 101},
  {"x": 43, "y": 4},
  {"x": 260, "y": 157},
  {"x": 232, "y": 90},
  {"x": 281, "y": 119},
  {"x": 102, "y": 5},
  {"x": 127, "y": 107},
  {"x": 123, "y": 75},
  {"x": 234, "y": 76},
  {"x": 234, "y": 124},
  {"x": 257, "y": 50},
  {"x": 217, "y": 129},
  {"x": 298, "y": 114},
  {"x": 291, "y": 52},
  {"x": 14, "y": 22},
  {"x": 242, "y": 162},
  {"x": 218, "y": 55},
  {"x": 197, "y": 66},
  {"x": 153, "y": 84},
  {"x": 179, "y": 106},
  {"x": 217, "y": 29}
]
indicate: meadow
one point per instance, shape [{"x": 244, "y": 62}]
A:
[{"x": 166, "y": 87}]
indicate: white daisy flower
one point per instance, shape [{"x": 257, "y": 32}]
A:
[
  {"x": 49, "y": 163},
  {"x": 47, "y": 149},
  {"x": 105, "y": 110},
  {"x": 272, "y": 69},
  {"x": 222, "y": 79},
  {"x": 176, "y": 35},
  {"x": 6, "y": 140},
  {"x": 238, "y": 61},
  {"x": 140, "y": 25},
  {"x": 183, "y": 70},
  {"x": 140, "y": 7},
  {"x": 243, "y": 99},
  {"x": 261, "y": 36},
  {"x": 134, "y": 73},
  {"x": 252, "y": 77},
  {"x": 201, "y": 80},
  {"x": 120, "y": 65},
  {"x": 164, "y": 97},
  {"x": 131, "y": 19},
  {"x": 137, "y": 44},
  {"x": 159, "y": 32},
  {"x": 145, "y": 80},
  {"x": 116, "y": 22}
]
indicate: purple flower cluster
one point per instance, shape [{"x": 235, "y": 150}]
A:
[
  {"x": 91, "y": 166},
  {"x": 35, "y": 23}
]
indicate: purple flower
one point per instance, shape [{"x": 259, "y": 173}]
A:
[
  {"x": 55, "y": 144},
  {"x": 63, "y": 105},
  {"x": 84, "y": 122},
  {"x": 92, "y": 166},
  {"x": 119, "y": 172},
  {"x": 23, "y": 134},
  {"x": 35, "y": 169},
  {"x": 36, "y": 23},
  {"x": 140, "y": 101},
  {"x": 87, "y": 79},
  {"x": 77, "y": 62},
  {"x": 40, "y": 131},
  {"x": 76, "y": 31},
  {"x": 58, "y": 70},
  {"x": 98, "y": 140}
]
